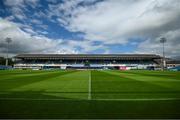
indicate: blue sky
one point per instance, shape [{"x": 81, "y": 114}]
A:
[{"x": 90, "y": 26}]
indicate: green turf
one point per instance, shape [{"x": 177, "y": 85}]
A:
[
  {"x": 114, "y": 94},
  {"x": 118, "y": 85}
]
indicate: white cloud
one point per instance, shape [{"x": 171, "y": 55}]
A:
[
  {"x": 29, "y": 41},
  {"x": 17, "y": 7},
  {"x": 24, "y": 42},
  {"x": 20, "y": 3},
  {"x": 118, "y": 21},
  {"x": 14, "y": 2},
  {"x": 172, "y": 46},
  {"x": 109, "y": 21},
  {"x": 28, "y": 30},
  {"x": 35, "y": 21},
  {"x": 85, "y": 45},
  {"x": 43, "y": 32}
]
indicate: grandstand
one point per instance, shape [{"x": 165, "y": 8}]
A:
[
  {"x": 85, "y": 61},
  {"x": 172, "y": 63}
]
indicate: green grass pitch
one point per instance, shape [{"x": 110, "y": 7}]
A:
[{"x": 89, "y": 94}]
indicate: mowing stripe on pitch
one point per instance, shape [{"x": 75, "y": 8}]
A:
[
  {"x": 138, "y": 99},
  {"x": 46, "y": 99},
  {"x": 89, "y": 86}
]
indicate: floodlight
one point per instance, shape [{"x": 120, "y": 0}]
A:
[
  {"x": 8, "y": 40},
  {"x": 163, "y": 40}
]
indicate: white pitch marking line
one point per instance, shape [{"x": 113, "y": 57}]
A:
[{"x": 89, "y": 86}]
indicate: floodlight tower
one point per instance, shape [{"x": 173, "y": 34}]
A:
[
  {"x": 163, "y": 40},
  {"x": 8, "y": 40}
]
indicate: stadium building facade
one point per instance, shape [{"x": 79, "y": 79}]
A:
[{"x": 86, "y": 61}]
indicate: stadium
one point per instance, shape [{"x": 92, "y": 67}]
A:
[
  {"x": 89, "y": 59},
  {"x": 86, "y": 61}
]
